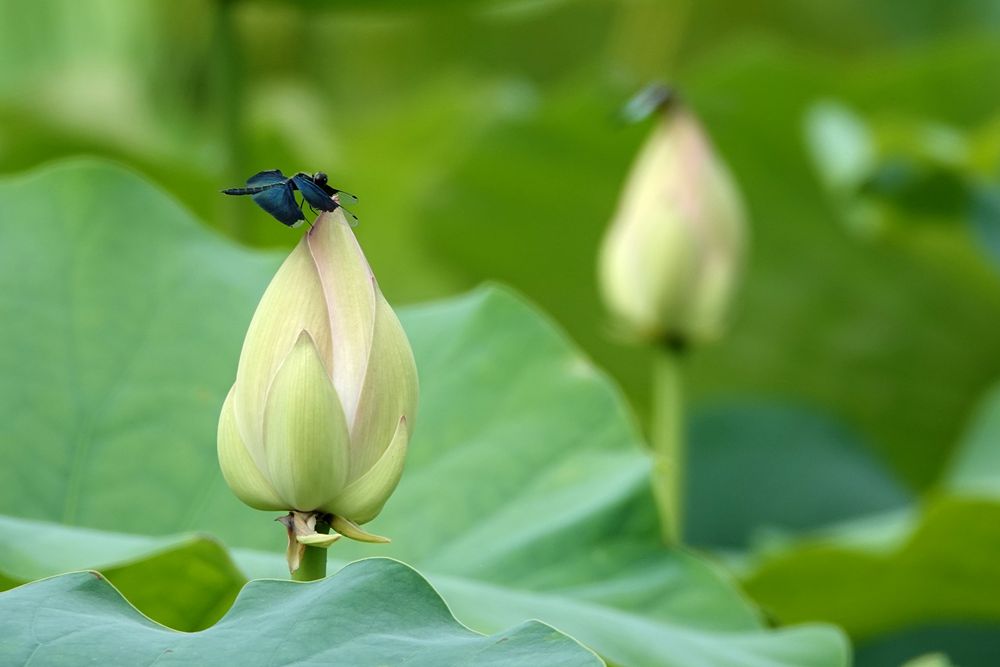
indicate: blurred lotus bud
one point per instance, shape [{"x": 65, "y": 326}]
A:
[
  {"x": 321, "y": 412},
  {"x": 670, "y": 260}
]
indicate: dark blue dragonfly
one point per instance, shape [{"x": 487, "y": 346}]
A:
[{"x": 275, "y": 193}]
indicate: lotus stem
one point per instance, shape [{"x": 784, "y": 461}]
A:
[
  {"x": 667, "y": 439},
  {"x": 313, "y": 563}
]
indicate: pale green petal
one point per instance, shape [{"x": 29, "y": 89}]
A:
[
  {"x": 390, "y": 391},
  {"x": 349, "y": 290},
  {"x": 363, "y": 498},
  {"x": 647, "y": 254},
  {"x": 720, "y": 270},
  {"x": 238, "y": 469},
  {"x": 305, "y": 436},
  {"x": 293, "y": 302}
]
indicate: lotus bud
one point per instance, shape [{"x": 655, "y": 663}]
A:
[
  {"x": 318, "y": 420},
  {"x": 670, "y": 259}
]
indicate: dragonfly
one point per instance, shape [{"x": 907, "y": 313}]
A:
[{"x": 275, "y": 193}]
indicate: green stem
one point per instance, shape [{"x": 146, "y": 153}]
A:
[
  {"x": 313, "y": 564},
  {"x": 667, "y": 440}
]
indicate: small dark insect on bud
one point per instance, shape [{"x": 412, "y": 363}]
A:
[{"x": 652, "y": 98}]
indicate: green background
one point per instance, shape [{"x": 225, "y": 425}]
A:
[
  {"x": 482, "y": 140},
  {"x": 832, "y": 431}
]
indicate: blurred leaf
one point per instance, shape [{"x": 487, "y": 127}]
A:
[
  {"x": 756, "y": 468},
  {"x": 985, "y": 220},
  {"x": 526, "y": 491},
  {"x": 944, "y": 571},
  {"x": 918, "y": 191},
  {"x": 59, "y": 620},
  {"x": 840, "y": 144},
  {"x": 927, "y": 579},
  {"x": 845, "y": 29},
  {"x": 975, "y": 469},
  {"x": 965, "y": 645},
  {"x": 930, "y": 660},
  {"x": 895, "y": 171}
]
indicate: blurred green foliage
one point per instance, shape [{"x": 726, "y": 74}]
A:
[
  {"x": 481, "y": 138},
  {"x": 483, "y": 141}
]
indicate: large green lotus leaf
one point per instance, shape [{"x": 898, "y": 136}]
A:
[
  {"x": 942, "y": 570},
  {"x": 928, "y": 576},
  {"x": 138, "y": 558},
  {"x": 184, "y": 582},
  {"x": 374, "y": 612},
  {"x": 526, "y": 487},
  {"x": 624, "y": 637},
  {"x": 119, "y": 320},
  {"x": 761, "y": 469}
]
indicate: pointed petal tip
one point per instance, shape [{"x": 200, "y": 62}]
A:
[
  {"x": 305, "y": 337},
  {"x": 305, "y": 430}
]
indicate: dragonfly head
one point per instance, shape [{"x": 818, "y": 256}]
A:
[{"x": 319, "y": 178}]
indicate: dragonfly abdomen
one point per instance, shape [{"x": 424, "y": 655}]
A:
[{"x": 246, "y": 191}]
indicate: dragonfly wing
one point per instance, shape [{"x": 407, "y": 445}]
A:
[
  {"x": 269, "y": 177},
  {"x": 280, "y": 202},
  {"x": 352, "y": 219},
  {"x": 314, "y": 194},
  {"x": 345, "y": 198}
]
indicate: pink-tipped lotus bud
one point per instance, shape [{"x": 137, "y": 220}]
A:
[
  {"x": 671, "y": 257},
  {"x": 318, "y": 420}
]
